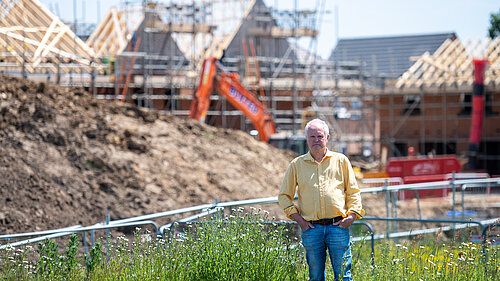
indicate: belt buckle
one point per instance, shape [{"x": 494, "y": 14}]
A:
[{"x": 325, "y": 221}]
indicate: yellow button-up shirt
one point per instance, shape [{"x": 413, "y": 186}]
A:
[{"x": 326, "y": 190}]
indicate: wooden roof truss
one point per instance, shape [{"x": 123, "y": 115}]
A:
[
  {"x": 451, "y": 65},
  {"x": 114, "y": 31},
  {"x": 31, "y": 33},
  {"x": 199, "y": 28}
]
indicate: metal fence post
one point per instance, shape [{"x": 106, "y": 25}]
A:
[
  {"x": 387, "y": 194},
  {"x": 417, "y": 196},
  {"x": 464, "y": 186},
  {"x": 85, "y": 243},
  {"x": 453, "y": 207},
  {"x": 372, "y": 234},
  {"x": 394, "y": 206},
  {"x": 107, "y": 238}
]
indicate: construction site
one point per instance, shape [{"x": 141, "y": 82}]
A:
[
  {"x": 106, "y": 120},
  {"x": 377, "y": 104}
]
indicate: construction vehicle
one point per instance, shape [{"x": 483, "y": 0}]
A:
[
  {"x": 215, "y": 76},
  {"x": 287, "y": 140}
]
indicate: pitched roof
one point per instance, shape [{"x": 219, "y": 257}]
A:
[
  {"x": 388, "y": 56},
  {"x": 27, "y": 27},
  {"x": 452, "y": 65},
  {"x": 112, "y": 34},
  {"x": 256, "y": 15}
]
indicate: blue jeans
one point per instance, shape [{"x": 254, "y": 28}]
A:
[{"x": 337, "y": 240}]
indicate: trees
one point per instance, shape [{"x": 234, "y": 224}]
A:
[{"x": 494, "y": 29}]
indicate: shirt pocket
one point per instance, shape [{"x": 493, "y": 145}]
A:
[
  {"x": 333, "y": 177},
  {"x": 307, "y": 177},
  {"x": 335, "y": 188},
  {"x": 336, "y": 196},
  {"x": 309, "y": 191},
  {"x": 333, "y": 172}
]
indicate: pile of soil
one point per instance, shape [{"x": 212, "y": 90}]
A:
[{"x": 67, "y": 158}]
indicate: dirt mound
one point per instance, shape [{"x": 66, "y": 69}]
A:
[{"x": 66, "y": 158}]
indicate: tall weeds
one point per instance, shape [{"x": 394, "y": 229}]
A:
[{"x": 242, "y": 246}]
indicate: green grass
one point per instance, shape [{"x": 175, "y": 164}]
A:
[
  {"x": 242, "y": 246},
  {"x": 428, "y": 260}
]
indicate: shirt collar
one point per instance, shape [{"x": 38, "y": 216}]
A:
[{"x": 309, "y": 157}]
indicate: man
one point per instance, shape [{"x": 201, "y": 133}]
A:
[{"x": 329, "y": 202}]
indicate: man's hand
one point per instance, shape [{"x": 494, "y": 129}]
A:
[
  {"x": 347, "y": 221},
  {"x": 304, "y": 225}
]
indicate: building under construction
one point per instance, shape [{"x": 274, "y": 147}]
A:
[{"x": 380, "y": 96}]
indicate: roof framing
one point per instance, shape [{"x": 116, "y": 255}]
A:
[
  {"x": 112, "y": 34},
  {"x": 31, "y": 33},
  {"x": 451, "y": 65},
  {"x": 200, "y": 28}
]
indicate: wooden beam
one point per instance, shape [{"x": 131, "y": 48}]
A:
[
  {"x": 29, "y": 28},
  {"x": 50, "y": 47},
  {"x": 110, "y": 38},
  {"x": 279, "y": 32},
  {"x": 45, "y": 38},
  {"x": 181, "y": 28},
  {"x": 121, "y": 36},
  {"x": 451, "y": 65},
  {"x": 54, "y": 50}
]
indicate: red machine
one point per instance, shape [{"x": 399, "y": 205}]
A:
[
  {"x": 477, "y": 112},
  {"x": 423, "y": 169},
  {"x": 228, "y": 84}
]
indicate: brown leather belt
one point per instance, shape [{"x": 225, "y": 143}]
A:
[{"x": 327, "y": 221}]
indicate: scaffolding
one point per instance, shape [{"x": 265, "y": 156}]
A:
[
  {"x": 150, "y": 54},
  {"x": 286, "y": 74}
]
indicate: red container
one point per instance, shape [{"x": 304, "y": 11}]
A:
[
  {"x": 418, "y": 166},
  {"x": 423, "y": 169}
]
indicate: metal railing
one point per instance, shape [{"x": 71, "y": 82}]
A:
[
  {"x": 48, "y": 234},
  {"x": 208, "y": 209},
  {"x": 462, "y": 184},
  {"x": 486, "y": 225}
]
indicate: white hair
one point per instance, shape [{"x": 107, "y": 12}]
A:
[{"x": 323, "y": 124}]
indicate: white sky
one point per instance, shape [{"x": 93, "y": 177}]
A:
[{"x": 356, "y": 18}]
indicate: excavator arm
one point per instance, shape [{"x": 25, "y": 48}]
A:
[
  {"x": 214, "y": 75},
  {"x": 201, "y": 98}
]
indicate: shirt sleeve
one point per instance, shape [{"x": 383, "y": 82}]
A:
[
  {"x": 352, "y": 191},
  {"x": 287, "y": 191}
]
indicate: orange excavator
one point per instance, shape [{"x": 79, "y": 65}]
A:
[{"x": 214, "y": 75}]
